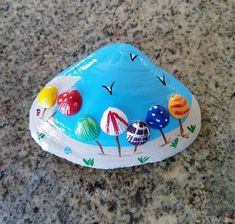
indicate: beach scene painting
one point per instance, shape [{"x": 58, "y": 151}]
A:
[{"x": 115, "y": 108}]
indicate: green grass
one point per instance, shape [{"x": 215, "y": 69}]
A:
[
  {"x": 174, "y": 143},
  {"x": 89, "y": 162},
  {"x": 40, "y": 136},
  {"x": 192, "y": 128},
  {"x": 143, "y": 159}
]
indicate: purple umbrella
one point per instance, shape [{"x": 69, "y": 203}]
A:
[{"x": 137, "y": 134}]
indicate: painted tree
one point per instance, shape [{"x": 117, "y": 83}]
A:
[
  {"x": 114, "y": 122},
  {"x": 179, "y": 109},
  {"x": 137, "y": 134},
  {"x": 69, "y": 102},
  {"x": 47, "y": 98},
  {"x": 158, "y": 118},
  {"x": 88, "y": 130}
]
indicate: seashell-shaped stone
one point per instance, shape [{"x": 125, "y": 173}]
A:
[{"x": 117, "y": 85}]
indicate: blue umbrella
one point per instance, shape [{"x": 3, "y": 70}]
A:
[{"x": 158, "y": 118}]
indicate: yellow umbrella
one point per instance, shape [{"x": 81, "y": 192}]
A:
[{"x": 47, "y": 97}]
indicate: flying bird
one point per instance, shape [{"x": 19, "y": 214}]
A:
[
  {"x": 133, "y": 57},
  {"x": 109, "y": 88},
  {"x": 162, "y": 80}
]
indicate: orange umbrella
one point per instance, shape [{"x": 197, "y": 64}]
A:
[{"x": 179, "y": 109}]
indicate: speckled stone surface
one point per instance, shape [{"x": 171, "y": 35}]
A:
[{"x": 191, "y": 39}]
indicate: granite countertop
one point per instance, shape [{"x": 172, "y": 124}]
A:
[{"x": 190, "y": 39}]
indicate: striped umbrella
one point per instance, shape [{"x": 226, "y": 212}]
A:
[
  {"x": 114, "y": 122},
  {"x": 138, "y": 133},
  {"x": 179, "y": 109}
]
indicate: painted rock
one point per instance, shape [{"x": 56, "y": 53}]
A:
[{"x": 115, "y": 86}]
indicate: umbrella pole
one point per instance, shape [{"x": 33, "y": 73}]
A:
[
  {"x": 181, "y": 128},
  {"x": 135, "y": 149},
  {"x": 119, "y": 147},
  {"x": 100, "y": 146},
  {"x": 52, "y": 115},
  {"x": 43, "y": 112},
  {"x": 164, "y": 137}
]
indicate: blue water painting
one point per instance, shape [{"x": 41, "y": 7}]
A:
[{"x": 136, "y": 88}]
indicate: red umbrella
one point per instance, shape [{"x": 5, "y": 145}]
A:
[{"x": 69, "y": 102}]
